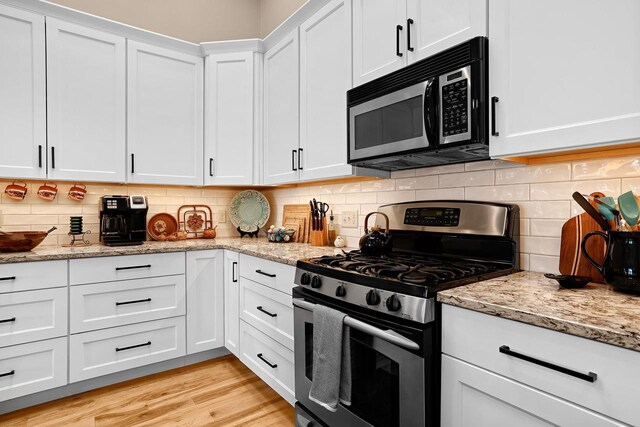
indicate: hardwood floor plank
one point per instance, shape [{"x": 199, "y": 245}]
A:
[{"x": 219, "y": 392}]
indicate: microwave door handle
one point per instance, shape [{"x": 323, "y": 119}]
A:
[
  {"x": 431, "y": 111},
  {"x": 388, "y": 335}
]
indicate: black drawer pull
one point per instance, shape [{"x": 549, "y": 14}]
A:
[
  {"x": 133, "y": 346},
  {"x": 7, "y": 278},
  {"x": 234, "y": 278},
  {"x": 134, "y": 302},
  {"x": 133, "y": 267},
  {"x": 590, "y": 377},
  {"x": 271, "y": 365},
  {"x": 266, "y": 312},
  {"x": 265, "y": 274},
  {"x": 13, "y": 319},
  {"x": 494, "y": 101},
  {"x": 6, "y": 374}
]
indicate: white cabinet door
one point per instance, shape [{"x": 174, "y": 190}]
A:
[
  {"x": 474, "y": 397},
  {"x": 165, "y": 116},
  {"x": 23, "y": 122},
  {"x": 86, "y": 103},
  {"x": 563, "y": 80},
  {"x": 281, "y": 112},
  {"x": 205, "y": 303},
  {"x": 231, "y": 302},
  {"x": 436, "y": 25},
  {"x": 229, "y": 124},
  {"x": 325, "y": 77},
  {"x": 379, "y": 45}
]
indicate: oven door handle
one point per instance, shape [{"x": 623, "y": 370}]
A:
[{"x": 388, "y": 335}]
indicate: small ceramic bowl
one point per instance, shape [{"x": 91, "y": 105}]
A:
[{"x": 569, "y": 281}]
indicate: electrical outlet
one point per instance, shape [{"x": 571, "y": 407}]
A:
[{"x": 350, "y": 219}]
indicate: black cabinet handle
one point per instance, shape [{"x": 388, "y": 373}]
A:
[
  {"x": 6, "y": 374},
  {"x": 265, "y": 274},
  {"x": 7, "y": 278},
  {"x": 234, "y": 278},
  {"x": 409, "y": 47},
  {"x": 134, "y": 302},
  {"x": 398, "y": 29},
  {"x": 133, "y": 267},
  {"x": 133, "y": 163},
  {"x": 39, "y": 156},
  {"x": 53, "y": 157},
  {"x": 271, "y": 365},
  {"x": 590, "y": 377},
  {"x": 133, "y": 346},
  {"x": 210, "y": 166},
  {"x": 13, "y": 319},
  {"x": 300, "y": 158},
  {"x": 494, "y": 101},
  {"x": 293, "y": 160},
  {"x": 266, "y": 312}
]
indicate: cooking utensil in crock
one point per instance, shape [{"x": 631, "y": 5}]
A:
[
  {"x": 628, "y": 208},
  {"x": 591, "y": 211}
]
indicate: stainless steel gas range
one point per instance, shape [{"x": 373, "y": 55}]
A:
[{"x": 392, "y": 311}]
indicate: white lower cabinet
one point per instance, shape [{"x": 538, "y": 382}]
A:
[
  {"x": 33, "y": 367},
  {"x": 106, "y": 351},
  {"x": 475, "y": 397},
  {"x": 490, "y": 363},
  {"x": 269, "y": 359},
  {"x": 31, "y": 316},
  {"x": 205, "y": 300},
  {"x": 231, "y": 302}
]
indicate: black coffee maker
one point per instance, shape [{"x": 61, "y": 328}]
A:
[{"x": 123, "y": 220}]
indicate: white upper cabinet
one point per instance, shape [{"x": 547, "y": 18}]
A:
[
  {"x": 230, "y": 118},
  {"x": 566, "y": 79},
  {"x": 165, "y": 116},
  {"x": 325, "y": 77},
  {"x": 379, "y": 38},
  {"x": 436, "y": 25},
  {"x": 86, "y": 103},
  {"x": 22, "y": 94},
  {"x": 281, "y": 111}
]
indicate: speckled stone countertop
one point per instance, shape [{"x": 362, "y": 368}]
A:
[
  {"x": 595, "y": 312},
  {"x": 285, "y": 253}
]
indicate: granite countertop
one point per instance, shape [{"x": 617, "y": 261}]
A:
[
  {"x": 285, "y": 253},
  {"x": 595, "y": 312}
]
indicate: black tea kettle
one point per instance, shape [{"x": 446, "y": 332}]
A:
[{"x": 375, "y": 242}]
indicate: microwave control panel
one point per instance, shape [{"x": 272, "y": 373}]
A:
[
  {"x": 455, "y": 117},
  {"x": 432, "y": 217}
]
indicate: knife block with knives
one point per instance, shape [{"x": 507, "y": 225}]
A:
[{"x": 319, "y": 232}]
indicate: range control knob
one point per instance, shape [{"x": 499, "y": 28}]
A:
[
  {"x": 341, "y": 291},
  {"x": 393, "y": 303},
  {"x": 316, "y": 282},
  {"x": 373, "y": 298},
  {"x": 305, "y": 279}
]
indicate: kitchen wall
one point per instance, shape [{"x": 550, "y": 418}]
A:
[
  {"x": 543, "y": 193},
  {"x": 194, "y": 20},
  {"x": 33, "y": 213}
]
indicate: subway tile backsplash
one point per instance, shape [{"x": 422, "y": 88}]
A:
[{"x": 542, "y": 191}]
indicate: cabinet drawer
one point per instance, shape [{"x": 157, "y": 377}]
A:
[
  {"x": 109, "y": 269},
  {"x": 32, "y": 367},
  {"x": 267, "y": 310},
  {"x": 26, "y": 276},
  {"x": 273, "y": 274},
  {"x": 105, "y": 305},
  {"x": 269, "y": 359},
  {"x": 476, "y": 338},
  {"x": 32, "y": 316},
  {"x": 97, "y": 353}
]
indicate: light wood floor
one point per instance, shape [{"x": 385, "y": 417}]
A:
[{"x": 220, "y": 392}]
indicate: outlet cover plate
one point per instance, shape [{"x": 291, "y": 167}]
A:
[{"x": 350, "y": 219}]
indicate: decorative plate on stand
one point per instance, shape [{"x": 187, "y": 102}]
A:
[{"x": 249, "y": 211}]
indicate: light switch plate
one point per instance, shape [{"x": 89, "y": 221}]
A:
[{"x": 350, "y": 219}]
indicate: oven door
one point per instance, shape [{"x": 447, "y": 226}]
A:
[
  {"x": 400, "y": 121},
  {"x": 388, "y": 380}
]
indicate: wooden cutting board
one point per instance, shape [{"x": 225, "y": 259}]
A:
[
  {"x": 572, "y": 260},
  {"x": 300, "y": 214}
]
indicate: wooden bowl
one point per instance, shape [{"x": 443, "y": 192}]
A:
[{"x": 20, "y": 241}]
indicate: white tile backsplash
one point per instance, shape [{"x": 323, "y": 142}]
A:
[{"x": 530, "y": 174}]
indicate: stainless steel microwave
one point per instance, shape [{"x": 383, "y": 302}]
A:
[{"x": 432, "y": 112}]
